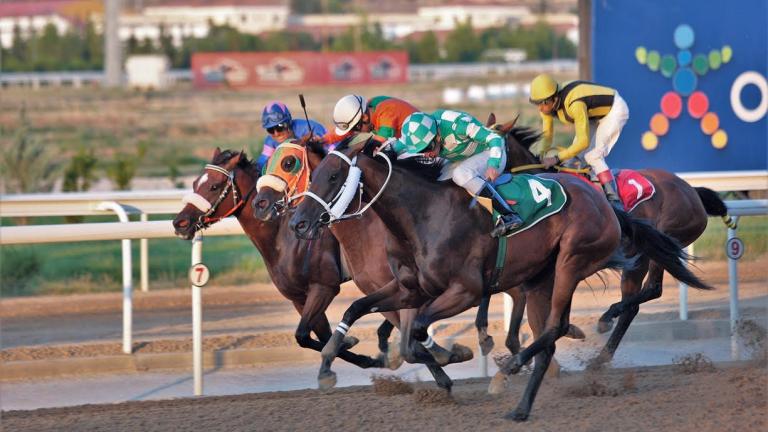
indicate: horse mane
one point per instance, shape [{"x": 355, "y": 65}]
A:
[
  {"x": 427, "y": 168},
  {"x": 525, "y": 135},
  {"x": 244, "y": 163}
]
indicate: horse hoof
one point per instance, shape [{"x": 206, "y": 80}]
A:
[
  {"x": 460, "y": 353},
  {"x": 517, "y": 415},
  {"x": 604, "y": 326},
  {"x": 498, "y": 384},
  {"x": 575, "y": 332},
  {"x": 394, "y": 359},
  {"x": 350, "y": 341},
  {"x": 326, "y": 381},
  {"x": 486, "y": 345}
]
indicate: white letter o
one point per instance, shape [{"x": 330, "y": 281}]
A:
[{"x": 746, "y": 78}]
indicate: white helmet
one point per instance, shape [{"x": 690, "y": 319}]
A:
[{"x": 348, "y": 112}]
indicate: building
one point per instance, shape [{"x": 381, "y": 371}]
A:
[
  {"x": 193, "y": 18},
  {"x": 32, "y": 16}
]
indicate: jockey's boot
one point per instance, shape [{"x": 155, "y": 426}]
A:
[
  {"x": 508, "y": 219},
  {"x": 611, "y": 193}
]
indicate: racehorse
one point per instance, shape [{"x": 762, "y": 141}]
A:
[
  {"x": 362, "y": 239},
  {"x": 308, "y": 276},
  {"x": 441, "y": 254},
  {"x": 676, "y": 209}
]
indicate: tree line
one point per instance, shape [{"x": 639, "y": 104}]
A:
[{"x": 82, "y": 48}]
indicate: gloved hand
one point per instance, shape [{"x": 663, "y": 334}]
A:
[
  {"x": 549, "y": 162},
  {"x": 385, "y": 146}
]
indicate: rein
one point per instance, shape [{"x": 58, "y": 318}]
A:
[
  {"x": 334, "y": 210},
  {"x": 556, "y": 167}
]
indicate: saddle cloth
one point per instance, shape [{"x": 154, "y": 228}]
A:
[
  {"x": 633, "y": 188},
  {"x": 533, "y": 198}
]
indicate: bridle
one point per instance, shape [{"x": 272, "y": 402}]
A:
[
  {"x": 198, "y": 201},
  {"x": 335, "y": 208}
]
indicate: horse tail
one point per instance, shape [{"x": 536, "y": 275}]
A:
[
  {"x": 715, "y": 206},
  {"x": 659, "y": 247}
]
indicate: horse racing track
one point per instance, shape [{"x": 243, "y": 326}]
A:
[{"x": 691, "y": 395}]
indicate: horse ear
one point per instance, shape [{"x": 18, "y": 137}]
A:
[
  {"x": 216, "y": 153},
  {"x": 236, "y": 159},
  {"x": 491, "y": 120},
  {"x": 506, "y": 127}
]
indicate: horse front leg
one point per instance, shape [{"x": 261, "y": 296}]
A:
[
  {"x": 384, "y": 300},
  {"x": 481, "y": 323},
  {"x": 456, "y": 299},
  {"x": 323, "y": 331},
  {"x": 518, "y": 309}
]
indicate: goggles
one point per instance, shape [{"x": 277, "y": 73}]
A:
[{"x": 277, "y": 129}]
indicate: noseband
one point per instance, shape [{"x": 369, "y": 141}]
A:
[
  {"x": 198, "y": 201},
  {"x": 334, "y": 210}
]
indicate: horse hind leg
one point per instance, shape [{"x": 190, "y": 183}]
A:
[
  {"x": 651, "y": 290},
  {"x": 631, "y": 284}
]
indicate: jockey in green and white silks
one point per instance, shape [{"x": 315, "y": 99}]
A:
[{"x": 475, "y": 153}]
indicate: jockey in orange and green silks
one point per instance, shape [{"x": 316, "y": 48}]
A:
[
  {"x": 475, "y": 153},
  {"x": 382, "y": 115},
  {"x": 598, "y": 114}
]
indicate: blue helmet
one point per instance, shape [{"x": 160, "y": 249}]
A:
[{"x": 274, "y": 114}]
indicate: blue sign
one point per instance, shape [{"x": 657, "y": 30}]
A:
[{"x": 693, "y": 73}]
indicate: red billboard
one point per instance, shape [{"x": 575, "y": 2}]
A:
[{"x": 292, "y": 68}]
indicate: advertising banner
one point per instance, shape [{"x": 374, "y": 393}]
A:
[
  {"x": 693, "y": 73},
  {"x": 270, "y": 69}
]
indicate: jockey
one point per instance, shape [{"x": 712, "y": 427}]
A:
[
  {"x": 382, "y": 115},
  {"x": 598, "y": 114},
  {"x": 280, "y": 126},
  {"x": 476, "y": 155}
]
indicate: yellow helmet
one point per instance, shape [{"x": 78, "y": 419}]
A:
[{"x": 543, "y": 87}]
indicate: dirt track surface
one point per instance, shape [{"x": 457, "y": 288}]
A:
[
  {"x": 260, "y": 317},
  {"x": 731, "y": 398}
]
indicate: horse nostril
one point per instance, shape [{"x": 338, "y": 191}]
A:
[
  {"x": 301, "y": 226},
  {"x": 182, "y": 223},
  {"x": 262, "y": 204}
]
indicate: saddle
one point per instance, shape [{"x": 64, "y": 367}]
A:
[{"x": 534, "y": 198}]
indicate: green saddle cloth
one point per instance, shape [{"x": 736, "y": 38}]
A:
[{"x": 533, "y": 198}]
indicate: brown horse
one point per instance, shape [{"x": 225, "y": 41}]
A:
[
  {"x": 442, "y": 256},
  {"x": 361, "y": 238},
  {"x": 222, "y": 190},
  {"x": 676, "y": 209}
]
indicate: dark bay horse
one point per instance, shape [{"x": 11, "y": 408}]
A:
[
  {"x": 677, "y": 209},
  {"x": 362, "y": 239},
  {"x": 443, "y": 255},
  {"x": 307, "y": 276}
]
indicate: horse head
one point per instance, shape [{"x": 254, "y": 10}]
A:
[
  {"x": 285, "y": 177},
  {"x": 220, "y": 191},
  {"x": 335, "y": 183}
]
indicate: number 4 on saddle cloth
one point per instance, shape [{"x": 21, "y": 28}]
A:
[{"x": 533, "y": 198}]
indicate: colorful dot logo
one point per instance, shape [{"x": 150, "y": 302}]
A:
[{"x": 684, "y": 69}]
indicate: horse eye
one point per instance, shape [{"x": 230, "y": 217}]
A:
[
  {"x": 333, "y": 177},
  {"x": 288, "y": 163},
  {"x": 214, "y": 187}
]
